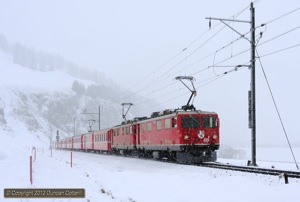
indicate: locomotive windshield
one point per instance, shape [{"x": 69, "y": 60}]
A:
[
  {"x": 190, "y": 122},
  {"x": 209, "y": 122}
]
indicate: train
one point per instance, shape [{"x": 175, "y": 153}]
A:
[{"x": 184, "y": 136}]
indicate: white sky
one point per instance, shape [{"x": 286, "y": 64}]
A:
[{"x": 129, "y": 40}]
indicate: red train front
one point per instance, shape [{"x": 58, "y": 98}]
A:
[{"x": 186, "y": 136}]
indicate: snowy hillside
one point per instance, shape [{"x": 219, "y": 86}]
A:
[{"x": 38, "y": 103}]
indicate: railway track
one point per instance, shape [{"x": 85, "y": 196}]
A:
[
  {"x": 265, "y": 171},
  {"x": 248, "y": 169}
]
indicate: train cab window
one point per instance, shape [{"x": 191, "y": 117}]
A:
[
  {"x": 127, "y": 130},
  {"x": 158, "y": 125},
  {"x": 209, "y": 122},
  {"x": 149, "y": 126},
  {"x": 174, "y": 123},
  {"x": 190, "y": 122},
  {"x": 167, "y": 123},
  {"x": 134, "y": 129},
  {"x": 130, "y": 129}
]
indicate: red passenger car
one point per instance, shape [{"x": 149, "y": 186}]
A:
[
  {"x": 69, "y": 143},
  {"x": 88, "y": 141},
  {"x": 77, "y": 142},
  {"x": 102, "y": 141},
  {"x": 124, "y": 137}
]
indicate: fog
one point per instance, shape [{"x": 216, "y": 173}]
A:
[{"x": 143, "y": 46}]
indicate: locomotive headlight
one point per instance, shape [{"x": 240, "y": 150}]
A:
[
  {"x": 215, "y": 137},
  {"x": 201, "y": 134},
  {"x": 186, "y": 137}
]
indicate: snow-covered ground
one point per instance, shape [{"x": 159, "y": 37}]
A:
[{"x": 115, "y": 178}]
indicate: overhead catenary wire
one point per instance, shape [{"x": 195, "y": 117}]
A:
[
  {"x": 280, "y": 50},
  {"x": 263, "y": 43},
  {"x": 147, "y": 86},
  {"x": 160, "y": 78},
  {"x": 237, "y": 54},
  {"x": 207, "y": 82},
  {"x": 226, "y": 59},
  {"x": 282, "y": 16}
]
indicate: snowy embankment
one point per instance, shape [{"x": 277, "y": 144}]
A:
[{"x": 115, "y": 178}]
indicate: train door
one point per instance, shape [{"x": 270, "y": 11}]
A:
[
  {"x": 72, "y": 139},
  {"x": 138, "y": 139},
  {"x": 134, "y": 132},
  {"x": 109, "y": 139},
  {"x": 93, "y": 140},
  {"x": 82, "y": 142}
]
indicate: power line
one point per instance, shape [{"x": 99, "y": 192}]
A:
[
  {"x": 213, "y": 79},
  {"x": 280, "y": 35},
  {"x": 284, "y": 49},
  {"x": 282, "y": 16},
  {"x": 159, "y": 79},
  {"x": 279, "y": 116},
  {"x": 244, "y": 51},
  {"x": 235, "y": 16}
]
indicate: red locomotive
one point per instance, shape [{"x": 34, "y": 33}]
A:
[{"x": 186, "y": 136}]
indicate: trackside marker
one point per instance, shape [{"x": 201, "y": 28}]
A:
[{"x": 30, "y": 162}]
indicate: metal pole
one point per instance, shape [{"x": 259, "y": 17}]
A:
[
  {"x": 253, "y": 130},
  {"x": 99, "y": 118}
]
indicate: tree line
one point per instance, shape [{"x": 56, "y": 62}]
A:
[{"x": 43, "y": 61}]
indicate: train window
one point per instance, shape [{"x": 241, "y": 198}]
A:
[
  {"x": 127, "y": 130},
  {"x": 167, "y": 123},
  {"x": 190, "y": 122},
  {"x": 158, "y": 125},
  {"x": 149, "y": 126},
  {"x": 209, "y": 122},
  {"x": 130, "y": 129},
  {"x": 143, "y": 127}
]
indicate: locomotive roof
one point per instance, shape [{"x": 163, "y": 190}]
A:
[{"x": 176, "y": 112}]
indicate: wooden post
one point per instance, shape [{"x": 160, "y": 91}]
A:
[{"x": 286, "y": 178}]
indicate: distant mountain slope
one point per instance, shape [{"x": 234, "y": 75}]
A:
[{"x": 41, "y": 102}]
